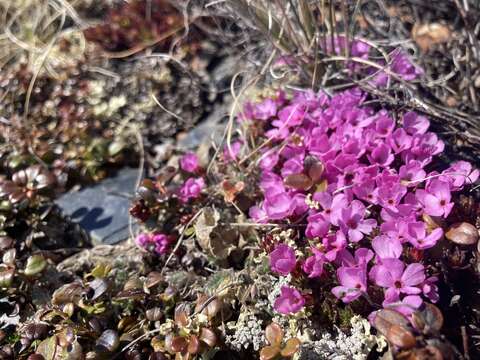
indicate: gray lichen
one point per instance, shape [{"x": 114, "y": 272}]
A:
[
  {"x": 248, "y": 333},
  {"x": 341, "y": 346}
]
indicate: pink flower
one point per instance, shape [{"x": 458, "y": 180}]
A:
[
  {"x": 265, "y": 110},
  {"x": 142, "y": 240},
  {"x": 313, "y": 266},
  {"x": 361, "y": 259},
  {"x": 352, "y": 221},
  {"x": 282, "y": 259},
  {"x": 399, "y": 140},
  {"x": 269, "y": 160},
  {"x": 292, "y": 166},
  {"x": 162, "y": 243},
  {"x": 258, "y": 214},
  {"x": 353, "y": 282},
  {"x": 317, "y": 226},
  {"x": 289, "y": 116},
  {"x": 278, "y": 206},
  {"x": 384, "y": 124},
  {"x": 418, "y": 235},
  {"x": 290, "y": 301},
  {"x": 407, "y": 306},
  {"x": 402, "y": 66},
  {"x": 393, "y": 275},
  {"x": 191, "y": 189},
  {"x": 189, "y": 162},
  {"x": 390, "y": 195},
  {"x": 460, "y": 173},
  {"x": 334, "y": 244},
  {"x": 412, "y": 173},
  {"x": 386, "y": 247},
  {"x": 436, "y": 198},
  {"x": 381, "y": 155},
  {"x": 430, "y": 289},
  {"x": 158, "y": 242},
  {"x": 414, "y": 123}
]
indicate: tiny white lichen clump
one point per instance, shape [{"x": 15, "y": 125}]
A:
[
  {"x": 248, "y": 333},
  {"x": 356, "y": 346},
  {"x": 312, "y": 204}
]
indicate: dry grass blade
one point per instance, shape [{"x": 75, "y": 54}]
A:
[{"x": 306, "y": 19}]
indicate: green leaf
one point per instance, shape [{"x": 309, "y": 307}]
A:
[{"x": 35, "y": 265}]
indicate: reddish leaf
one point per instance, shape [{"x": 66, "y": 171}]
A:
[
  {"x": 291, "y": 347},
  {"x": 274, "y": 334},
  {"x": 269, "y": 352},
  {"x": 401, "y": 337},
  {"x": 178, "y": 344},
  {"x": 230, "y": 190},
  {"x": 181, "y": 317},
  {"x": 193, "y": 345}
]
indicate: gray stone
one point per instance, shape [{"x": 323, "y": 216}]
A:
[
  {"x": 102, "y": 210},
  {"x": 211, "y": 129}
]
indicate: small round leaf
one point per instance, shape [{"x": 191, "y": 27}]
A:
[{"x": 35, "y": 265}]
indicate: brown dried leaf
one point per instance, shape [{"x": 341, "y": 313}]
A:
[
  {"x": 298, "y": 181},
  {"x": 216, "y": 240},
  {"x": 274, "y": 334},
  {"x": 386, "y": 318},
  {"x": 211, "y": 309},
  {"x": 291, "y": 347},
  {"x": 153, "y": 279},
  {"x": 401, "y": 337},
  {"x": 68, "y": 293},
  {"x": 428, "y": 35},
  {"x": 314, "y": 168},
  {"x": 426, "y": 353},
  {"x": 429, "y": 320},
  {"x": 462, "y": 234},
  {"x": 208, "y": 337},
  {"x": 181, "y": 317}
]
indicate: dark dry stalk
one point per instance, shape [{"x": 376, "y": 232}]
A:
[
  {"x": 345, "y": 26},
  {"x": 293, "y": 34},
  {"x": 300, "y": 24},
  {"x": 331, "y": 19}
]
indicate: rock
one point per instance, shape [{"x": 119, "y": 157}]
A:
[
  {"x": 102, "y": 210},
  {"x": 209, "y": 129}
]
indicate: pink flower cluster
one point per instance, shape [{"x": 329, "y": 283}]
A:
[
  {"x": 192, "y": 187},
  {"x": 160, "y": 243},
  {"x": 360, "y": 180}
]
